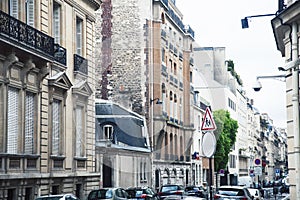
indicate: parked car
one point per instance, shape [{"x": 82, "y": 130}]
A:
[
  {"x": 255, "y": 193},
  {"x": 141, "y": 193},
  {"x": 167, "y": 190},
  {"x": 58, "y": 197},
  {"x": 233, "y": 192},
  {"x": 197, "y": 191},
  {"x": 108, "y": 193}
]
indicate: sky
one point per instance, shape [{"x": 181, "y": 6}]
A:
[{"x": 217, "y": 23}]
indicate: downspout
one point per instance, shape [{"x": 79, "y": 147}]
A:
[{"x": 295, "y": 103}]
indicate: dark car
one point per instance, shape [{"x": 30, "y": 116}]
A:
[
  {"x": 108, "y": 194},
  {"x": 196, "y": 191},
  {"x": 142, "y": 193},
  {"x": 167, "y": 190},
  {"x": 233, "y": 192}
]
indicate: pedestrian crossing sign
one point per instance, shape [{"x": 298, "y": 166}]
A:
[{"x": 208, "y": 123}]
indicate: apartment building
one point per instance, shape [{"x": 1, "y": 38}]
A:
[
  {"x": 201, "y": 101},
  {"x": 123, "y": 56},
  {"x": 225, "y": 95},
  {"x": 143, "y": 64},
  {"x": 47, "y": 137},
  {"x": 170, "y": 82}
]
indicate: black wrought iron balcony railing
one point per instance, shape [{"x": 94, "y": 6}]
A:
[
  {"x": 60, "y": 54},
  {"x": 17, "y": 31},
  {"x": 28, "y": 37},
  {"x": 80, "y": 64}
]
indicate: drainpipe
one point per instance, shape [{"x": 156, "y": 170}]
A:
[{"x": 295, "y": 103}]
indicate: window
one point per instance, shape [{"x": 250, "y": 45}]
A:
[
  {"x": 79, "y": 26},
  {"x": 29, "y": 123},
  {"x": 141, "y": 171},
  {"x": 12, "y": 120},
  {"x": 145, "y": 168},
  {"x": 56, "y": 22},
  {"x": 14, "y": 8},
  {"x": 171, "y": 105},
  {"x": 232, "y": 161},
  {"x": 164, "y": 97},
  {"x": 108, "y": 131},
  {"x": 80, "y": 131},
  {"x": 56, "y": 124},
  {"x": 163, "y": 54},
  {"x": 30, "y": 12}
]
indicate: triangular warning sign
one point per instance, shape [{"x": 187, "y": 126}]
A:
[{"x": 208, "y": 123}]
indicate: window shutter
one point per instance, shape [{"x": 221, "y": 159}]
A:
[
  {"x": 79, "y": 131},
  {"x": 56, "y": 115},
  {"x": 30, "y": 12},
  {"x": 12, "y": 120},
  {"x": 79, "y": 36},
  {"x": 29, "y": 123},
  {"x": 56, "y": 23},
  {"x": 14, "y": 8}
]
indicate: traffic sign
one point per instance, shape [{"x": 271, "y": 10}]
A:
[{"x": 208, "y": 123}]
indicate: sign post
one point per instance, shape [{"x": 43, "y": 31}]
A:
[{"x": 209, "y": 143}]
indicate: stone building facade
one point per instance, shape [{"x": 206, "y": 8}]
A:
[
  {"x": 143, "y": 56},
  {"x": 122, "y": 61},
  {"x": 47, "y": 137},
  {"x": 286, "y": 32},
  {"x": 170, "y": 75}
]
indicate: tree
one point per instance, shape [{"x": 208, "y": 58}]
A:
[{"x": 226, "y": 137}]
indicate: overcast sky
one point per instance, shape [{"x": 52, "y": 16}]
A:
[{"x": 217, "y": 23}]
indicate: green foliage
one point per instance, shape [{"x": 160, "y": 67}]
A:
[
  {"x": 226, "y": 137},
  {"x": 230, "y": 68}
]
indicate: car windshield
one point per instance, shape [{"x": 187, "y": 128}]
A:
[{"x": 101, "y": 194}]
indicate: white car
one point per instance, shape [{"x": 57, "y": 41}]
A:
[
  {"x": 255, "y": 193},
  {"x": 58, "y": 197},
  {"x": 232, "y": 192}
]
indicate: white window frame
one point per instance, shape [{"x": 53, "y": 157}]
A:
[
  {"x": 80, "y": 131},
  {"x": 108, "y": 131},
  {"x": 79, "y": 36},
  {"x": 30, "y": 12},
  {"x": 56, "y": 29},
  {"x": 30, "y": 123},
  {"x": 14, "y": 8},
  {"x": 56, "y": 126},
  {"x": 13, "y": 113}
]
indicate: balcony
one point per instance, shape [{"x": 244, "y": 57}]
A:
[
  {"x": 80, "y": 64},
  {"x": 60, "y": 54},
  {"x": 25, "y": 36}
]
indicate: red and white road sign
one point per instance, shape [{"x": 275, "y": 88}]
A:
[{"x": 208, "y": 123}]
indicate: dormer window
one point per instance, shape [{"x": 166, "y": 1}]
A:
[{"x": 108, "y": 132}]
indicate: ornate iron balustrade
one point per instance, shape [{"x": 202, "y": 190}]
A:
[
  {"x": 60, "y": 54},
  {"x": 80, "y": 64},
  {"x": 17, "y": 31}
]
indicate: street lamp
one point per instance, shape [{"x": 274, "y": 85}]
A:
[{"x": 281, "y": 7}]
